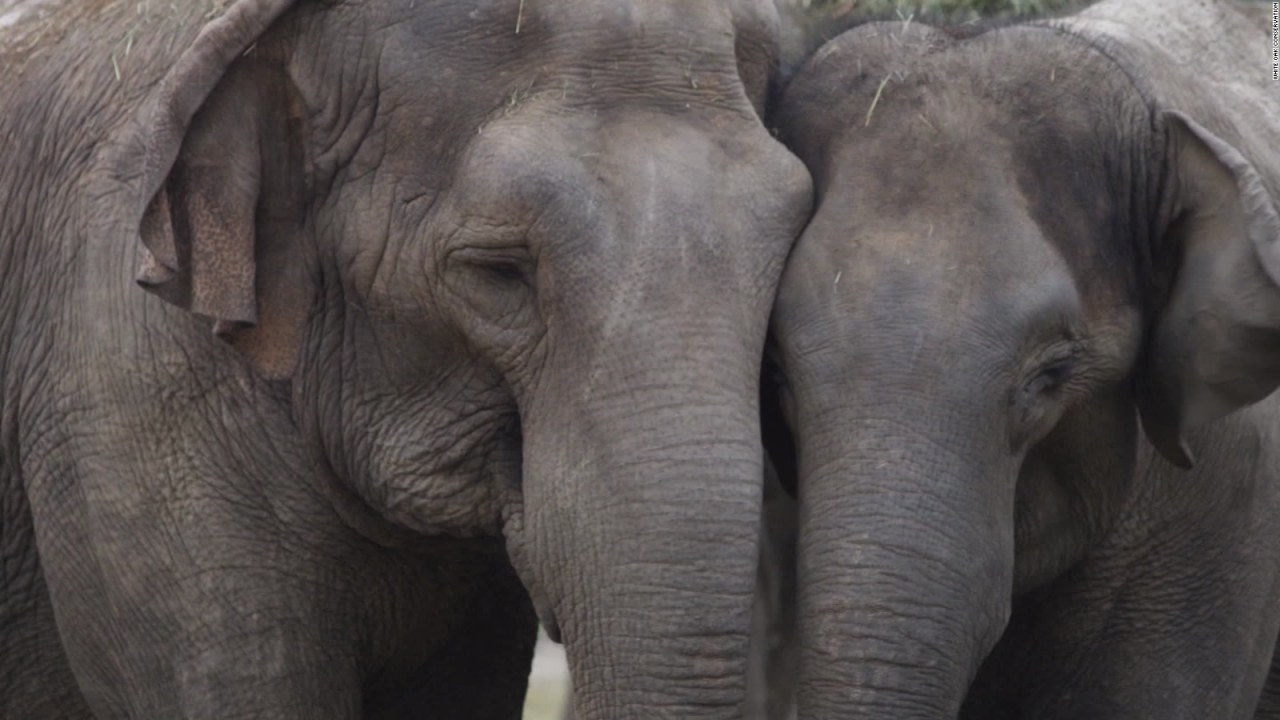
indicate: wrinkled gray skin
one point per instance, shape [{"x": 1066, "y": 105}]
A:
[
  {"x": 447, "y": 301},
  {"x": 1041, "y": 280}
]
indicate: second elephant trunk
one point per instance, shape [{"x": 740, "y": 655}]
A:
[{"x": 905, "y": 558}]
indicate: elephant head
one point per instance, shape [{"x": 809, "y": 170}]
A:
[
  {"x": 512, "y": 263},
  {"x": 1018, "y": 249}
]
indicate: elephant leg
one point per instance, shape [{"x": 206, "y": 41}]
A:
[
  {"x": 35, "y": 678},
  {"x": 1269, "y": 704},
  {"x": 482, "y": 671},
  {"x": 772, "y": 664},
  {"x": 778, "y": 562}
]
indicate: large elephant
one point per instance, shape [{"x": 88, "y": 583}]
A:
[
  {"x": 452, "y": 306},
  {"x": 1033, "y": 245}
]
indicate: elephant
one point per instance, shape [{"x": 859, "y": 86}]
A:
[
  {"x": 1024, "y": 353},
  {"x": 344, "y": 342}
]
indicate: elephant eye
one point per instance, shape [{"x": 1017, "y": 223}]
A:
[
  {"x": 505, "y": 271},
  {"x": 504, "y": 266},
  {"x": 1052, "y": 376}
]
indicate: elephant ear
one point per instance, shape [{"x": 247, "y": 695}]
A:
[
  {"x": 1216, "y": 342},
  {"x": 219, "y": 191}
]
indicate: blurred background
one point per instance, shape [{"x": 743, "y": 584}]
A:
[
  {"x": 804, "y": 21},
  {"x": 548, "y": 682}
]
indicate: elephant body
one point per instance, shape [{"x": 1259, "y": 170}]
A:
[
  {"x": 1026, "y": 347},
  {"x": 412, "y": 364}
]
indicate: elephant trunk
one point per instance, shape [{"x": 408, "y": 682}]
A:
[
  {"x": 905, "y": 559},
  {"x": 641, "y": 507},
  {"x": 642, "y": 475}
]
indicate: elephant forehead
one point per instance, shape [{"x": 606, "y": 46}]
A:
[
  {"x": 606, "y": 22},
  {"x": 587, "y": 52},
  {"x": 871, "y": 263}
]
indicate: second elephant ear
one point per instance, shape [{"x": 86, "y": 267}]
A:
[
  {"x": 1216, "y": 342},
  {"x": 220, "y": 191}
]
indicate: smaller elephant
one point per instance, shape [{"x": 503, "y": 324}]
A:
[{"x": 1033, "y": 245}]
